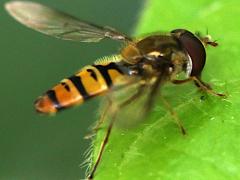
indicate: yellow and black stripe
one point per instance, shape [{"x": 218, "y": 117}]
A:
[{"x": 88, "y": 82}]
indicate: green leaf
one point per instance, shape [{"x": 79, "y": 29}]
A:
[{"x": 211, "y": 148}]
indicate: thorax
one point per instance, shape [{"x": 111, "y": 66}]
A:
[{"x": 154, "y": 49}]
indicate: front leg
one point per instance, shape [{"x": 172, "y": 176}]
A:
[
  {"x": 200, "y": 84},
  {"x": 205, "y": 87}
]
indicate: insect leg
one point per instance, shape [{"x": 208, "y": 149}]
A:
[
  {"x": 101, "y": 119},
  {"x": 200, "y": 84},
  {"x": 102, "y": 147},
  {"x": 109, "y": 129},
  {"x": 181, "y": 81},
  {"x": 205, "y": 87},
  {"x": 103, "y": 115},
  {"x": 166, "y": 103},
  {"x": 153, "y": 94},
  {"x": 174, "y": 115}
]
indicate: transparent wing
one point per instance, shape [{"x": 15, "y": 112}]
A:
[
  {"x": 129, "y": 104},
  {"x": 58, "y": 24}
]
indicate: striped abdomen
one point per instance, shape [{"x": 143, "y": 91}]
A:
[{"x": 88, "y": 82}]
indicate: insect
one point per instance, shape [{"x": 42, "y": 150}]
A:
[{"x": 143, "y": 65}]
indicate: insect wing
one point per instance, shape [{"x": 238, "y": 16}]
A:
[
  {"x": 59, "y": 24},
  {"x": 129, "y": 104}
]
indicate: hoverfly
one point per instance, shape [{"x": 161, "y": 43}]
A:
[{"x": 142, "y": 65}]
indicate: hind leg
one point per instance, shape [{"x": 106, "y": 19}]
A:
[{"x": 109, "y": 129}]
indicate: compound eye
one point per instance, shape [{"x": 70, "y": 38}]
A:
[{"x": 194, "y": 49}]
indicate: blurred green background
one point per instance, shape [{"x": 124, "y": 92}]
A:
[{"x": 34, "y": 146}]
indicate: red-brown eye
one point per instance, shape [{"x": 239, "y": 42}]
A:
[{"x": 193, "y": 47}]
